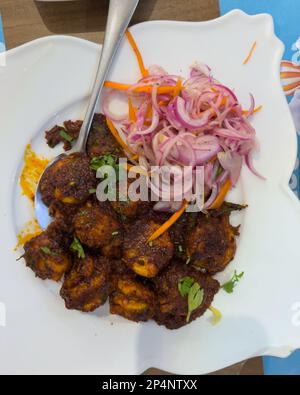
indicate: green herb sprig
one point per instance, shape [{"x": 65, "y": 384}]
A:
[
  {"x": 187, "y": 286},
  {"x": 105, "y": 160},
  {"x": 66, "y": 136},
  {"x": 47, "y": 251},
  {"x": 76, "y": 247},
  {"x": 230, "y": 285}
]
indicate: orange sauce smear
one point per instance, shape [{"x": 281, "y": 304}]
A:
[
  {"x": 31, "y": 173},
  {"x": 31, "y": 230}
]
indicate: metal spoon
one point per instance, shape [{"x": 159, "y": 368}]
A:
[{"x": 119, "y": 16}]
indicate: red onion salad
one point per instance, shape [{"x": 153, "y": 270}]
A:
[{"x": 192, "y": 122}]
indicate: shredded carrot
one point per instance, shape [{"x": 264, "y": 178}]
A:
[
  {"x": 224, "y": 101},
  {"x": 178, "y": 88},
  {"x": 138, "y": 55},
  {"x": 131, "y": 111},
  {"x": 116, "y": 85},
  {"x": 220, "y": 198},
  {"x": 162, "y": 229},
  {"x": 250, "y": 53},
  {"x": 149, "y": 111},
  {"x": 213, "y": 158},
  {"x": 257, "y": 109},
  {"x": 140, "y": 89},
  {"x": 163, "y": 103},
  {"x": 161, "y": 89},
  {"x": 134, "y": 157},
  {"x": 116, "y": 135}
]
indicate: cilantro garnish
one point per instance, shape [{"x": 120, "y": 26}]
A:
[
  {"x": 77, "y": 248},
  {"x": 229, "y": 286}
]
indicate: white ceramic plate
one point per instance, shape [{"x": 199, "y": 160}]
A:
[{"x": 47, "y": 81}]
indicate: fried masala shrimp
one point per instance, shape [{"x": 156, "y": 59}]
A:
[
  {"x": 131, "y": 297},
  {"x": 68, "y": 180},
  {"x": 211, "y": 244},
  {"x": 146, "y": 259},
  {"x": 46, "y": 255},
  {"x": 172, "y": 306},
  {"x": 86, "y": 286},
  {"x": 96, "y": 225}
]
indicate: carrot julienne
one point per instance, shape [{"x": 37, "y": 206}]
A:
[
  {"x": 138, "y": 55},
  {"x": 163, "y": 228},
  {"x": 178, "y": 88},
  {"x": 222, "y": 194},
  {"x": 257, "y": 109},
  {"x": 250, "y": 53},
  {"x": 116, "y": 135},
  {"x": 140, "y": 89},
  {"x": 131, "y": 111}
]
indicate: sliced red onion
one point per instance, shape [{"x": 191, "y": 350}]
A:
[
  {"x": 222, "y": 178},
  {"x": 109, "y": 96},
  {"x": 231, "y": 162},
  {"x": 184, "y": 118},
  {"x": 200, "y": 69},
  {"x": 191, "y": 129},
  {"x": 222, "y": 132},
  {"x": 250, "y": 166},
  {"x": 252, "y": 106},
  {"x": 156, "y": 70},
  {"x": 223, "y": 88},
  {"x": 212, "y": 197}
]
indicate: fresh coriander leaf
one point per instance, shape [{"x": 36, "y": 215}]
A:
[
  {"x": 77, "y": 248},
  {"x": 105, "y": 160},
  {"x": 184, "y": 285},
  {"x": 46, "y": 250},
  {"x": 195, "y": 299},
  {"x": 66, "y": 136},
  {"x": 229, "y": 286}
]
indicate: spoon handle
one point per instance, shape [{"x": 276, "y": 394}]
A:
[{"x": 119, "y": 16}]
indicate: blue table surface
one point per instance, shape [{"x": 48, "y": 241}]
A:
[{"x": 287, "y": 29}]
